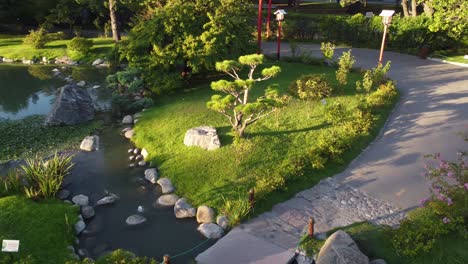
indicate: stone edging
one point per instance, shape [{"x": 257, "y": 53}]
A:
[{"x": 448, "y": 62}]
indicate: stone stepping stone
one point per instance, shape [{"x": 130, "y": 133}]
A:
[{"x": 135, "y": 220}]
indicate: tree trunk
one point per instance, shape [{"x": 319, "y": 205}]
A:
[
  {"x": 428, "y": 10},
  {"x": 414, "y": 5},
  {"x": 113, "y": 17},
  {"x": 404, "y": 5}
]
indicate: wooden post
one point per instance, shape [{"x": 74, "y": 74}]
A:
[
  {"x": 310, "y": 229},
  {"x": 251, "y": 198},
  {"x": 166, "y": 259},
  {"x": 259, "y": 27},
  {"x": 268, "y": 20},
  {"x": 279, "y": 41},
  {"x": 383, "y": 44}
]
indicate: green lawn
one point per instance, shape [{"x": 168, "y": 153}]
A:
[
  {"x": 41, "y": 227},
  {"x": 12, "y": 47},
  {"x": 28, "y": 137},
  {"x": 375, "y": 242},
  {"x": 205, "y": 177}
]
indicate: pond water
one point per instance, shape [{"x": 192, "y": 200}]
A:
[{"x": 30, "y": 90}]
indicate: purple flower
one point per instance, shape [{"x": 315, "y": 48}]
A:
[
  {"x": 449, "y": 201},
  {"x": 450, "y": 174},
  {"x": 423, "y": 202},
  {"x": 443, "y": 164},
  {"x": 466, "y": 186},
  {"x": 441, "y": 197},
  {"x": 446, "y": 220}
]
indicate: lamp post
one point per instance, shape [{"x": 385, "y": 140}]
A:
[
  {"x": 268, "y": 20},
  {"x": 279, "y": 17},
  {"x": 259, "y": 26},
  {"x": 386, "y": 20}
]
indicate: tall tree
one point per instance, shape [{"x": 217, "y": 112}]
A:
[
  {"x": 414, "y": 6},
  {"x": 404, "y": 5},
  {"x": 113, "y": 19}
]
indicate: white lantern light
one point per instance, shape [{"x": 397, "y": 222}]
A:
[
  {"x": 387, "y": 16},
  {"x": 280, "y": 14}
]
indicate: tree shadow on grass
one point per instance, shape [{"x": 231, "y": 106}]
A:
[{"x": 226, "y": 135}]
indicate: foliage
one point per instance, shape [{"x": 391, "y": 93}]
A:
[
  {"x": 11, "y": 183},
  {"x": 383, "y": 96},
  {"x": 244, "y": 113},
  {"x": 295, "y": 49},
  {"x": 118, "y": 256},
  {"x": 39, "y": 38},
  {"x": 328, "y": 49},
  {"x": 182, "y": 38},
  {"x": 37, "y": 224},
  {"x": 450, "y": 16},
  {"x": 373, "y": 78},
  {"x": 80, "y": 45},
  {"x": 345, "y": 64},
  {"x": 125, "y": 82},
  {"x": 236, "y": 209},
  {"x": 125, "y": 104},
  {"x": 45, "y": 177},
  {"x": 336, "y": 113},
  {"x": 27, "y": 137},
  {"x": 311, "y": 87}
]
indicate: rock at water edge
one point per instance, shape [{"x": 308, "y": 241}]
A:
[
  {"x": 222, "y": 221},
  {"x": 135, "y": 220},
  {"x": 129, "y": 134},
  {"x": 127, "y": 120},
  {"x": 183, "y": 209},
  {"x": 205, "y": 214},
  {"x": 90, "y": 143},
  {"x": 87, "y": 211},
  {"x": 205, "y": 137},
  {"x": 106, "y": 200},
  {"x": 151, "y": 175},
  {"x": 210, "y": 230},
  {"x": 167, "y": 199},
  {"x": 340, "y": 248},
  {"x": 79, "y": 227},
  {"x": 144, "y": 153},
  {"x": 81, "y": 200},
  {"x": 72, "y": 106},
  {"x": 166, "y": 185}
]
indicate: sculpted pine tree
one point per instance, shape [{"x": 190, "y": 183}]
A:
[{"x": 235, "y": 105}]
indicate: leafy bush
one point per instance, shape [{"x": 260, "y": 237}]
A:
[
  {"x": 125, "y": 104},
  {"x": 373, "y": 78},
  {"x": 118, "y": 256},
  {"x": 328, "y": 49},
  {"x": 45, "y": 177},
  {"x": 80, "y": 45},
  {"x": 36, "y": 38},
  {"x": 383, "y": 96},
  {"x": 125, "y": 82},
  {"x": 311, "y": 87},
  {"x": 336, "y": 113},
  {"x": 11, "y": 184},
  {"x": 345, "y": 64}
]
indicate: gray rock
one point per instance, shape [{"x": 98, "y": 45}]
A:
[
  {"x": 151, "y": 175},
  {"x": 127, "y": 120},
  {"x": 87, "y": 211},
  {"x": 71, "y": 249},
  {"x": 8, "y": 60},
  {"x": 183, "y": 209},
  {"x": 131, "y": 158},
  {"x": 90, "y": 143},
  {"x": 130, "y": 151},
  {"x": 167, "y": 199},
  {"x": 98, "y": 62},
  {"x": 341, "y": 249},
  {"x": 136, "y": 121},
  {"x": 166, "y": 185},
  {"x": 135, "y": 220},
  {"x": 83, "y": 253},
  {"x": 65, "y": 60},
  {"x": 132, "y": 165},
  {"x": 81, "y": 200},
  {"x": 144, "y": 153},
  {"x": 63, "y": 194},
  {"x": 222, "y": 221},
  {"x": 107, "y": 200},
  {"x": 140, "y": 209},
  {"x": 129, "y": 134},
  {"x": 79, "y": 227},
  {"x": 72, "y": 106},
  {"x": 68, "y": 79},
  {"x": 81, "y": 83},
  {"x": 210, "y": 230},
  {"x": 125, "y": 130},
  {"x": 96, "y": 86},
  {"x": 205, "y": 214},
  {"x": 136, "y": 151},
  {"x": 302, "y": 258},
  {"x": 139, "y": 157},
  {"x": 142, "y": 163},
  {"x": 204, "y": 137},
  {"x": 378, "y": 261}
]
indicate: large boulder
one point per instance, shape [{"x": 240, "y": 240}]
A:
[
  {"x": 205, "y": 214},
  {"x": 90, "y": 143},
  {"x": 210, "y": 230},
  {"x": 340, "y": 248},
  {"x": 183, "y": 209},
  {"x": 204, "y": 137},
  {"x": 73, "y": 105}
]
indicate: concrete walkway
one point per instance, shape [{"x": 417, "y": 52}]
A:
[{"x": 383, "y": 182}]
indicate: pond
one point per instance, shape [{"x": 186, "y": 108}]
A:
[{"x": 30, "y": 90}]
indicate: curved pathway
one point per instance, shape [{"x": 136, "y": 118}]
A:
[{"x": 384, "y": 181}]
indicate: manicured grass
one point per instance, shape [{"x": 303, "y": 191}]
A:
[
  {"x": 28, "y": 137},
  {"x": 375, "y": 242},
  {"x": 205, "y": 177},
  {"x": 42, "y": 228},
  {"x": 453, "y": 55},
  {"x": 12, "y": 47}
]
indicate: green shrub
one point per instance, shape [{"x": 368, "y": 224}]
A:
[
  {"x": 36, "y": 38},
  {"x": 236, "y": 209},
  {"x": 80, "y": 45},
  {"x": 45, "y": 177},
  {"x": 118, "y": 256},
  {"x": 373, "y": 78},
  {"x": 311, "y": 87},
  {"x": 345, "y": 64},
  {"x": 328, "y": 49},
  {"x": 336, "y": 113},
  {"x": 383, "y": 96}
]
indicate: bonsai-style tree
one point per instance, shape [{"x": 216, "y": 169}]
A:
[{"x": 235, "y": 105}]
